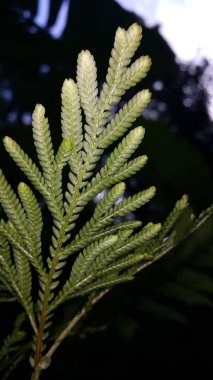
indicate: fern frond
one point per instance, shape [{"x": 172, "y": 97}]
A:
[
  {"x": 87, "y": 286},
  {"x": 33, "y": 212},
  {"x": 34, "y": 219},
  {"x": 109, "y": 253},
  {"x": 105, "y": 283},
  {"x": 101, "y": 180},
  {"x": 8, "y": 231},
  {"x": 72, "y": 120},
  {"x": 32, "y": 173},
  {"x": 11, "y": 277},
  {"x": 6, "y": 293},
  {"x": 202, "y": 218},
  {"x": 5, "y": 256},
  {"x": 80, "y": 242},
  {"x": 124, "y": 118},
  {"x": 108, "y": 256},
  {"x": 87, "y": 85},
  {"x": 62, "y": 157},
  {"x": 179, "y": 207},
  {"x": 147, "y": 233},
  {"x": 98, "y": 184},
  {"x": 87, "y": 256},
  {"x": 125, "y": 45},
  {"x": 42, "y": 141},
  {"x": 26, "y": 165},
  {"x": 124, "y": 263},
  {"x": 137, "y": 71},
  {"x": 125, "y": 244},
  {"x": 95, "y": 223},
  {"x": 107, "y": 201},
  {"x": 124, "y": 150},
  {"x": 23, "y": 275},
  {"x": 78, "y": 278},
  {"x": 131, "y": 203},
  {"x": 13, "y": 208}
]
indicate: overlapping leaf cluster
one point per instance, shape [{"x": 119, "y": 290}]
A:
[{"x": 106, "y": 253}]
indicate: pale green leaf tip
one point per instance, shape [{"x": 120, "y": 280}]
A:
[
  {"x": 135, "y": 26},
  {"x": 152, "y": 189},
  {"x": 120, "y": 187},
  {"x": 85, "y": 55},
  {"x": 183, "y": 202},
  {"x": 7, "y": 140},
  {"x": 139, "y": 131},
  {"x": 113, "y": 239},
  {"x": 22, "y": 186},
  {"x": 39, "y": 110},
  {"x": 68, "y": 84}
]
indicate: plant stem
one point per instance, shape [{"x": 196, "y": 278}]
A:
[
  {"x": 36, "y": 374},
  {"x": 47, "y": 290},
  {"x": 74, "y": 321},
  {"x": 37, "y": 369},
  {"x": 66, "y": 331}
]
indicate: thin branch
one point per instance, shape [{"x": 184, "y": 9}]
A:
[{"x": 74, "y": 321}]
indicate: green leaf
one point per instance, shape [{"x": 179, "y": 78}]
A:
[
  {"x": 85, "y": 259},
  {"x": 124, "y": 150},
  {"x": 137, "y": 71},
  {"x": 125, "y": 45},
  {"x": 124, "y": 119},
  {"x": 42, "y": 141},
  {"x": 13, "y": 208},
  {"x": 72, "y": 120},
  {"x": 88, "y": 87},
  {"x": 34, "y": 219}
]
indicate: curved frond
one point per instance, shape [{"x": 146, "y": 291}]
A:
[
  {"x": 62, "y": 157},
  {"x": 125, "y": 45},
  {"x": 42, "y": 141},
  {"x": 32, "y": 173},
  {"x": 71, "y": 120},
  {"x": 146, "y": 234},
  {"x": 131, "y": 203},
  {"x": 102, "y": 180},
  {"x": 124, "y": 118},
  {"x": 180, "y": 206},
  {"x": 107, "y": 282},
  {"x": 35, "y": 223},
  {"x": 107, "y": 253},
  {"x": 137, "y": 71},
  {"x": 88, "y": 255},
  {"x": 82, "y": 240},
  {"x": 88, "y": 86},
  {"x": 108, "y": 200},
  {"x": 124, "y": 263},
  {"x": 26, "y": 165},
  {"x": 23, "y": 275},
  {"x": 13, "y": 208},
  {"x": 11, "y": 277},
  {"x": 124, "y": 150}
]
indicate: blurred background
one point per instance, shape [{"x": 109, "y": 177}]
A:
[{"x": 164, "y": 319}]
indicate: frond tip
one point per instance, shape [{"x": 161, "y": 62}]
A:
[
  {"x": 111, "y": 246},
  {"x": 42, "y": 140}
]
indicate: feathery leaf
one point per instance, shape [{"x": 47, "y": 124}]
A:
[
  {"x": 72, "y": 120},
  {"x": 42, "y": 141}
]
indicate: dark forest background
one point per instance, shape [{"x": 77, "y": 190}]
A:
[{"x": 163, "y": 320}]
